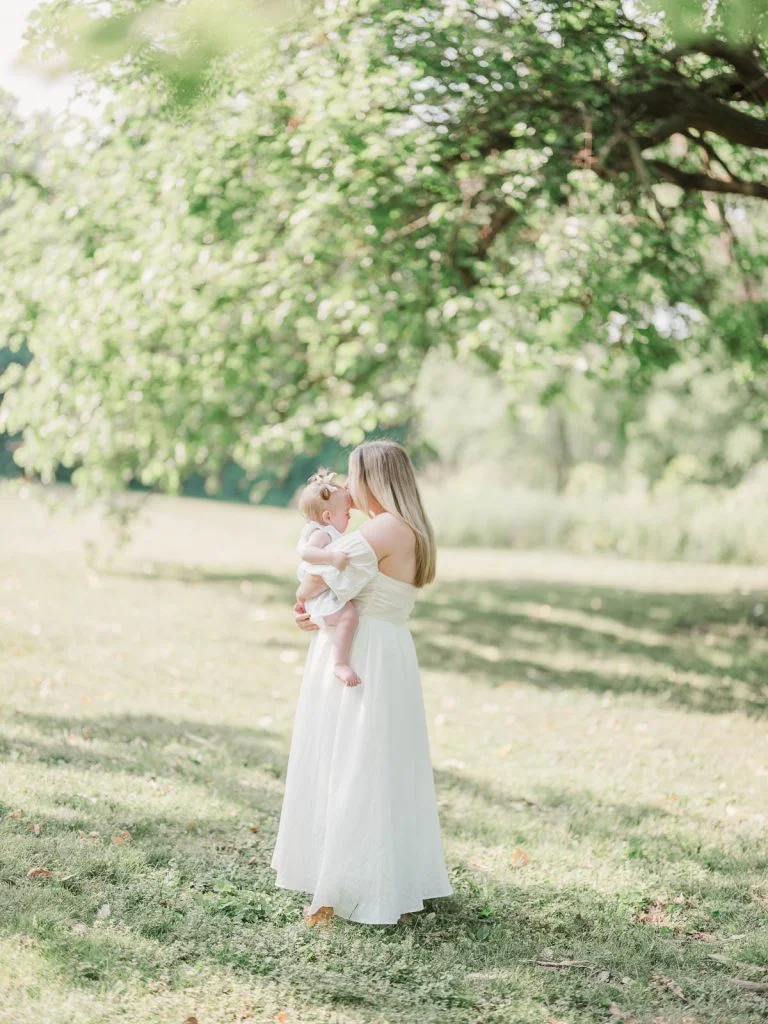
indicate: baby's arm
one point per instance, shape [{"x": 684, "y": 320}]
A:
[{"x": 314, "y": 551}]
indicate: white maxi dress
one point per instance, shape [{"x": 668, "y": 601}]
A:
[{"x": 359, "y": 826}]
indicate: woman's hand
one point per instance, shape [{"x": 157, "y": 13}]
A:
[{"x": 301, "y": 615}]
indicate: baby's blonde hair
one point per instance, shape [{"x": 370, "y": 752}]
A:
[{"x": 313, "y": 500}]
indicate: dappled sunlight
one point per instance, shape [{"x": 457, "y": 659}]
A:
[
  {"x": 578, "y": 784},
  {"x": 698, "y": 650}
]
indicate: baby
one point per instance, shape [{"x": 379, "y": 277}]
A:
[{"x": 325, "y": 506}]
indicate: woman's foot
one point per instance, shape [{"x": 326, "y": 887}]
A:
[
  {"x": 347, "y": 675},
  {"x": 322, "y": 916}
]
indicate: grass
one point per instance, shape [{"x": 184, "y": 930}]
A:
[{"x": 598, "y": 736}]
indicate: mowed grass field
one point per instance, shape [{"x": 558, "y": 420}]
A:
[{"x": 598, "y": 734}]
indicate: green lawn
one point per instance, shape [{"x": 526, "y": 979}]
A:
[{"x": 601, "y": 759}]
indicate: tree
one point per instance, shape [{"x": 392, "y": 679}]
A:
[{"x": 249, "y": 275}]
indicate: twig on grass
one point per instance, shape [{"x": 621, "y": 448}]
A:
[{"x": 749, "y": 986}]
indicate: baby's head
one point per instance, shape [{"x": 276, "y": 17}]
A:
[{"x": 325, "y": 501}]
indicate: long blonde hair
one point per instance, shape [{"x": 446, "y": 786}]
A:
[{"x": 383, "y": 470}]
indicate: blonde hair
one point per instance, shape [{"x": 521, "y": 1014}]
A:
[
  {"x": 313, "y": 500},
  {"x": 383, "y": 470}
]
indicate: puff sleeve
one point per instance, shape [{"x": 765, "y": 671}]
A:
[{"x": 363, "y": 565}]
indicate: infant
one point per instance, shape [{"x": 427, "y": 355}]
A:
[{"x": 325, "y": 505}]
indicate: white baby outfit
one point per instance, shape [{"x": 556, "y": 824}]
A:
[{"x": 326, "y": 603}]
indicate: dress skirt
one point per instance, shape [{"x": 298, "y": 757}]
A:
[{"x": 359, "y": 826}]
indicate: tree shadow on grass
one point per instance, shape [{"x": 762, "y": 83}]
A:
[
  {"x": 179, "y": 901},
  {"x": 209, "y": 756},
  {"x": 655, "y": 837},
  {"x": 201, "y": 895},
  {"x": 697, "y": 651},
  {"x": 700, "y": 651}
]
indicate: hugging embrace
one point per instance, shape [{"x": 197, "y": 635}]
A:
[{"x": 359, "y": 827}]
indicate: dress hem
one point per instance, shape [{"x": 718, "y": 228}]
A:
[{"x": 361, "y": 920}]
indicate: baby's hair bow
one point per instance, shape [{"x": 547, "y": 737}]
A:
[{"x": 324, "y": 478}]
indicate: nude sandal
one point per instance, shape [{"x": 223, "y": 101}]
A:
[{"x": 322, "y": 916}]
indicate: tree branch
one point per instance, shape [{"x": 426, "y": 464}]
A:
[
  {"x": 745, "y": 61},
  {"x": 711, "y": 153},
  {"x": 697, "y": 182},
  {"x": 489, "y": 232},
  {"x": 677, "y": 103}
]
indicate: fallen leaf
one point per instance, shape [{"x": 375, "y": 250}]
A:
[
  {"x": 702, "y": 936},
  {"x": 668, "y": 985},
  {"x": 36, "y": 829},
  {"x": 254, "y": 860},
  {"x": 15, "y": 814},
  {"x": 655, "y": 914},
  {"x": 254, "y": 828},
  {"x": 39, "y": 873},
  {"x": 121, "y": 837},
  {"x": 191, "y": 1020},
  {"x": 618, "y": 1014},
  {"x": 281, "y": 1017},
  {"x": 104, "y": 911},
  {"x": 519, "y": 858},
  {"x": 191, "y": 823},
  {"x": 504, "y": 751}
]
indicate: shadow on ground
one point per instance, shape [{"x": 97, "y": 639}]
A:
[
  {"x": 705, "y": 652},
  {"x": 201, "y": 894},
  {"x": 700, "y": 651}
]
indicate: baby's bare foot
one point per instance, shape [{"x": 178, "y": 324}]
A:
[{"x": 347, "y": 675}]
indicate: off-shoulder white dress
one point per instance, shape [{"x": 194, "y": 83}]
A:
[{"x": 359, "y": 827}]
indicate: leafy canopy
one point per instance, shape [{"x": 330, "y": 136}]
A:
[{"x": 247, "y": 275}]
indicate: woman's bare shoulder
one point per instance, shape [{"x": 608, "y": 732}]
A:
[{"x": 387, "y": 534}]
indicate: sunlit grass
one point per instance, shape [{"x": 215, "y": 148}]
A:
[{"x": 600, "y": 754}]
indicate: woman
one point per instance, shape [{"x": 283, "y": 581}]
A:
[{"x": 359, "y": 827}]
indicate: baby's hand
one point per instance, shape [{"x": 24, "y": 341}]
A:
[{"x": 340, "y": 559}]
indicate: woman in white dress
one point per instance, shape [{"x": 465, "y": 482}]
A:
[{"x": 359, "y": 827}]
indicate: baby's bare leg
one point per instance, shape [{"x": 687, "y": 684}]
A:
[{"x": 345, "y": 620}]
